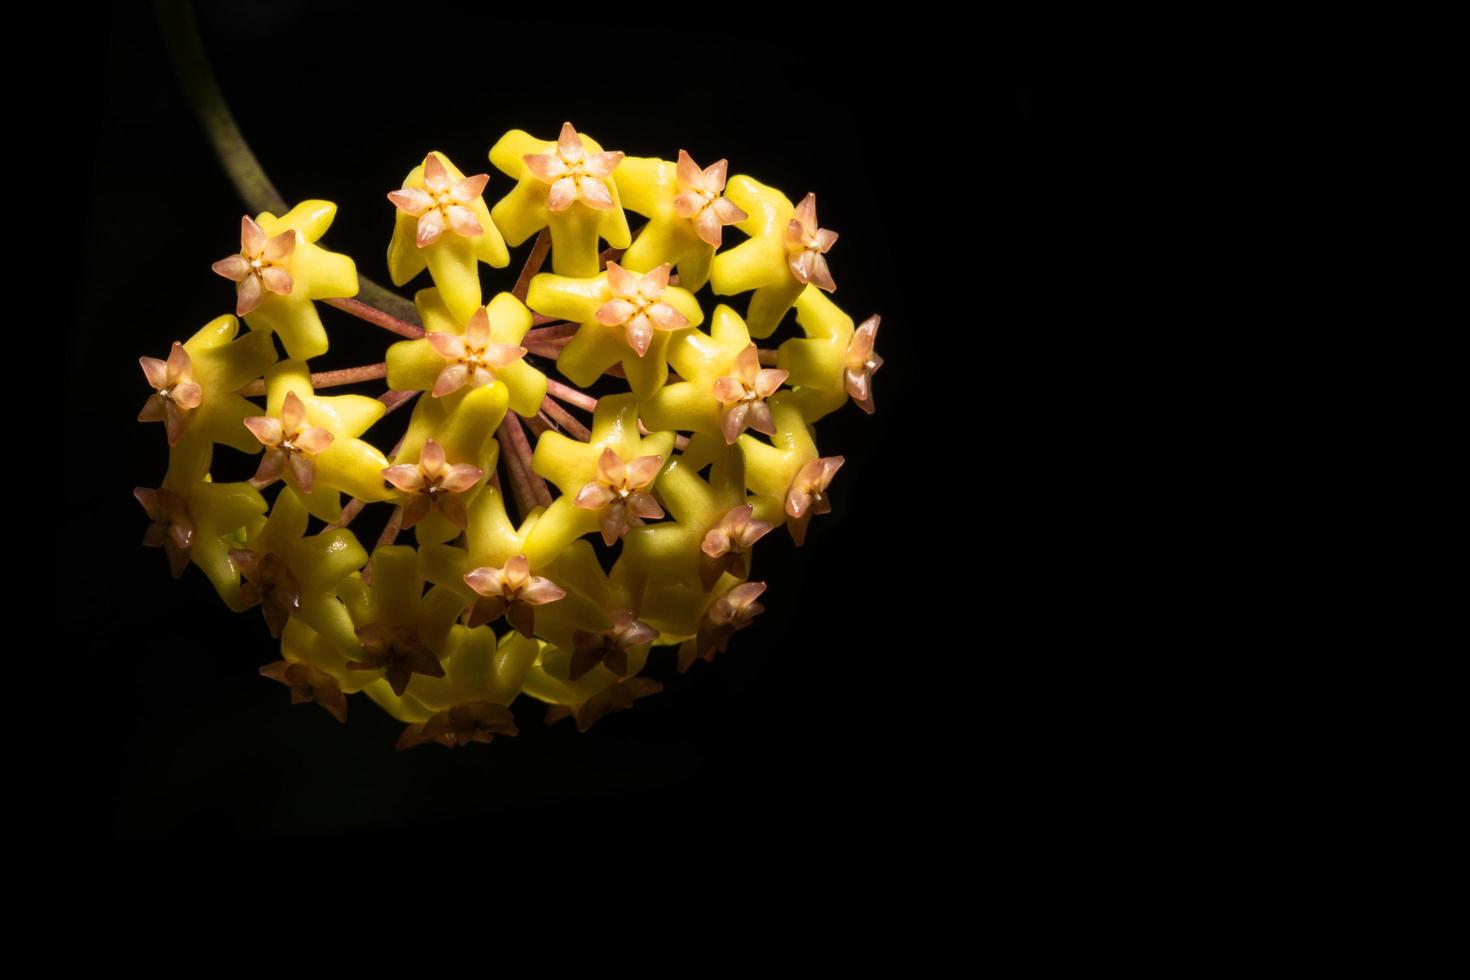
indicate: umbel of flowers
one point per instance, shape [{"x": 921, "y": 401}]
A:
[{"x": 508, "y": 479}]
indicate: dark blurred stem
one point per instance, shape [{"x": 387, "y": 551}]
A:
[{"x": 201, "y": 88}]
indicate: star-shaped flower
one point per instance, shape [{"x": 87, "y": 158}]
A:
[
  {"x": 637, "y": 305},
  {"x": 862, "y": 364},
  {"x": 573, "y": 173},
  {"x": 172, "y": 528},
  {"x": 824, "y": 363},
  {"x": 619, "y": 494},
  {"x": 609, "y": 647},
  {"x": 176, "y": 392},
  {"x": 566, "y": 185},
  {"x": 733, "y": 611},
  {"x": 289, "y": 572},
  {"x": 313, "y": 442},
  {"x": 683, "y": 548},
  {"x": 807, "y": 245},
  {"x": 434, "y": 484},
  {"x": 196, "y": 519},
  {"x": 307, "y": 684},
  {"x": 625, "y": 318},
  {"x": 196, "y": 391},
  {"x": 686, "y": 214},
  {"x": 442, "y": 224},
  {"x": 615, "y": 697},
  {"x": 458, "y": 355},
  {"x": 573, "y": 465},
  {"x": 787, "y": 477},
  {"x": 727, "y": 547},
  {"x": 511, "y": 591},
  {"x": 280, "y": 269},
  {"x": 398, "y": 652},
  {"x": 725, "y": 388},
  {"x": 401, "y": 631},
  {"x": 474, "y": 721},
  {"x": 290, "y": 444}
]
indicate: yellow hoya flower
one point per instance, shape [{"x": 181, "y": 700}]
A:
[
  {"x": 685, "y": 210},
  {"x": 567, "y": 186},
  {"x": 312, "y": 442},
  {"x": 786, "y": 250},
  {"x": 725, "y": 388},
  {"x": 442, "y": 224},
  {"x": 458, "y": 355},
  {"x": 293, "y": 576},
  {"x": 280, "y": 269},
  {"x": 821, "y": 365},
  {"x": 440, "y": 475},
  {"x": 624, "y": 318},
  {"x": 787, "y": 477},
  {"x": 606, "y": 483},
  {"x": 196, "y": 520},
  {"x": 492, "y": 573},
  {"x": 712, "y": 532},
  {"x": 196, "y": 390}
]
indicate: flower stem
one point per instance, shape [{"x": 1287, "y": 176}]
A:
[
  {"x": 570, "y": 395},
  {"x": 377, "y": 317},
  {"x": 533, "y": 264},
  {"x": 201, "y": 88},
  {"x": 329, "y": 379},
  {"x": 561, "y": 333},
  {"x": 565, "y": 419}
]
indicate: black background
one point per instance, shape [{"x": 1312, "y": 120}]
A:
[{"x": 840, "y": 707}]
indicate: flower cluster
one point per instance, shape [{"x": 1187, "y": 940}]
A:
[{"x": 511, "y": 481}]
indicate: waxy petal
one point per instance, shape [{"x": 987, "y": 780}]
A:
[
  {"x": 562, "y": 194},
  {"x": 266, "y": 428},
  {"x": 821, "y": 276},
  {"x": 545, "y": 166},
  {"x": 641, "y": 472},
  {"x": 623, "y": 283},
  {"x": 602, "y": 164},
  {"x": 450, "y": 380},
  {"x": 436, "y": 178},
  {"x": 430, "y": 227},
  {"x": 233, "y": 267},
  {"x": 729, "y": 213},
  {"x": 463, "y": 221},
  {"x": 467, "y": 190},
  {"x": 412, "y": 201},
  {"x": 247, "y": 295},
  {"x": 615, "y": 312},
  {"x": 293, "y": 413},
  {"x": 405, "y": 476},
  {"x": 281, "y": 247},
  {"x": 277, "y": 280},
  {"x": 539, "y": 591},
  {"x": 252, "y": 236},
  {"x": 595, "y": 194},
  {"x": 594, "y": 496},
  {"x": 303, "y": 471},
  {"x": 665, "y": 317},
  {"x": 187, "y": 395},
  {"x": 639, "y": 333},
  {"x": 448, "y": 346},
  {"x": 653, "y": 284},
  {"x": 569, "y": 144},
  {"x": 769, "y": 380},
  {"x": 461, "y": 477},
  {"x": 313, "y": 439},
  {"x": 477, "y": 330},
  {"x": 155, "y": 370}
]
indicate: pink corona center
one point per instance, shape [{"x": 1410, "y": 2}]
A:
[
  {"x": 172, "y": 528},
  {"x": 620, "y": 494},
  {"x": 473, "y": 721},
  {"x": 573, "y": 174},
  {"x": 441, "y": 203},
  {"x": 473, "y": 359},
  {"x": 699, "y": 199},
  {"x": 512, "y": 592},
  {"x": 807, "y": 245},
  {"x": 263, "y": 265},
  {"x": 727, "y": 547},
  {"x": 269, "y": 582},
  {"x": 862, "y": 364},
  {"x": 176, "y": 393},
  {"x": 730, "y": 613},
  {"x": 291, "y": 445},
  {"x": 637, "y": 306},
  {"x": 307, "y": 684},
  {"x": 434, "y": 484},
  {"x": 610, "y": 647},
  {"x": 744, "y": 393},
  {"x": 808, "y": 494},
  {"x": 397, "y": 652}
]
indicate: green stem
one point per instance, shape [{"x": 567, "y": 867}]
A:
[{"x": 201, "y": 88}]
